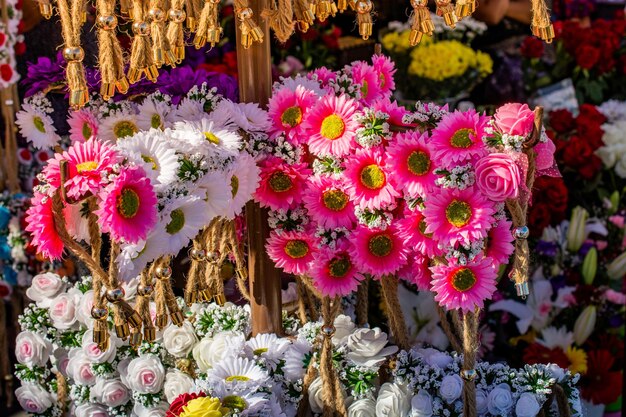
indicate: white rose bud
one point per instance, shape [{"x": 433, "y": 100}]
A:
[
  {"x": 576, "y": 230},
  {"x": 176, "y": 383},
  {"x": 527, "y": 405},
  {"x": 32, "y": 350},
  {"x": 79, "y": 368},
  {"x": 33, "y": 398},
  {"x": 500, "y": 400},
  {"x": 315, "y": 396},
  {"x": 365, "y": 407},
  {"x": 63, "y": 309},
  {"x": 422, "y": 404},
  {"x": 451, "y": 388},
  {"x": 93, "y": 352},
  {"x": 91, "y": 410},
  {"x": 179, "y": 341},
  {"x": 481, "y": 402},
  {"x": 617, "y": 268},
  {"x": 110, "y": 392},
  {"x": 212, "y": 350},
  {"x": 393, "y": 401},
  {"x": 83, "y": 310},
  {"x": 45, "y": 287},
  {"x": 145, "y": 374},
  {"x": 157, "y": 411},
  {"x": 435, "y": 358},
  {"x": 344, "y": 326},
  {"x": 584, "y": 325},
  {"x": 367, "y": 347}
]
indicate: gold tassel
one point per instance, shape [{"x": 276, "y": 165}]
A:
[
  {"x": 342, "y": 5},
  {"x": 465, "y": 8},
  {"x": 192, "y": 10},
  {"x": 422, "y": 23},
  {"x": 446, "y": 10},
  {"x": 208, "y": 27},
  {"x": 280, "y": 18},
  {"x": 541, "y": 25},
  {"x": 175, "y": 32},
  {"x": 126, "y": 9},
  {"x": 46, "y": 9},
  {"x": 71, "y": 23},
  {"x": 364, "y": 17},
  {"x": 250, "y": 32},
  {"x": 111, "y": 59},
  {"x": 161, "y": 49},
  {"x": 325, "y": 8},
  {"x": 141, "y": 61},
  {"x": 304, "y": 15}
]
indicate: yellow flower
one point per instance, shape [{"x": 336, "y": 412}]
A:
[
  {"x": 485, "y": 63},
  {"x": 578, "y": 360},
  {"x": 439, "y": 61},
  {"x": 397, "y": 42},
  {"x": 203, "y": 407}
]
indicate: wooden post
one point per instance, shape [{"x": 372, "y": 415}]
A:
[{"x": 255, "y": 85}]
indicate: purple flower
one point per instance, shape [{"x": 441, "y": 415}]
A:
[
  {"x": 180, "y": 80},
  {"x": 548, "y": 249},
  {"x": 42, "y": 74}
]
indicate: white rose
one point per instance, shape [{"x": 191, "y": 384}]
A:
[
  {"x": 365, "y": 407},
  {"x": 315, "y": 396},
  {"x": 62, "y": 309},
  {"x": 122, "y": 368},
  {"x": 367, "y": 347},
  {"x": 145, "y": 374},
  {"x": 94, "y": 353},
  {"x": 176, "y": 383},
  {"x": 481, "y": 402},
  {"x": 110, "y": 392},
  {"x": 451, "y": 388},
  {"x": 33, "y": 398},
  {"x": 393, "y": 401},
  {"x": 32, "y": 350},
  {"x": 157, "y": 411},
  {"x": 212, "y": 350},
  {"x": 60, "y": 359},
  {"x": 179, "y": 340},
  {"x": 130, "y": 288},
  {"x": 422, "y": 404},
  {"x": 79, "y": 368},
  {"x": 499, "y": 400},
  {"x": 620, "y": 166},
  {"x": 83, "y": 310},
  {"x": 435, "y": 358},
  {"x": 557, "y": 372},
  {"x": 527, "y": 405},
  {"x": 90, "y": 410},
  {"x": 45, "y": 287},
  {"x": 344, "y": 326}
]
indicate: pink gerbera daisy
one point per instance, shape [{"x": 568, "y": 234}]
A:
[
  {"x": 378, "y": 252},
  {"x": 413, "y": 229},
  {"x": 40, "y": 224},
  {"x": 287, "y": 110},
  {"x": 462, "y": 216},
  {"x": 281, "y": 185},
  {"x": 464, "y": 287},
  {"x": 87, "y": 161},
  {"x": 367, "y": 179},
  {"x": 385, "y": 68},
  {"x": 323, "y": 75},
  {"x": 128, "y": 206},
  {"x": 291, "y": 251},
  {"x": 334, "y": 272},
  {"x": 408, "y": 157},
  {"x": 83, "y": 125},
  {"x": 500, "y": 242},
  {"x": 328, "y": 203},
  {"x": 459, "y": 137},
  {"x": 367, "y": 77},
  {"x": 416, "y": 271},
  {"x": 396, "y": 112},
  {"x": 332, "y": 125}
]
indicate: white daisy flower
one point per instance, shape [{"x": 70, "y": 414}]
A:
[
  {"x": 227, "y": 115},
  {"x": 181, "y": 222},
  {"x": 215, "y": 192},
  {"x": 246, "y": 402},
  {"x": 267, "y": 346},
  {"x": 190, "y": 110},
  {"x": 257, "y": 118},
  {"x": 36, "y": 127},
  {"x": 243, "y": 177},
  {"x": 133, "y": 258},
  {"x": 295, "y": 366},
  {"x": 240, "y": 373},
  {"x": 118, "y": 125},
  {"x": 293, "y": 83},
  {"x": 207, "y": 136},
  {"x": 152, "y": 114},
  {"x": 151, "y": 151}
]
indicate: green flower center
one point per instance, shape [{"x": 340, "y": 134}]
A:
[
  {"x": 332, "y": 127},
  {"x": 458, "y": 213},
  {"x": 364, "y": 89},
  {"x": 86, "y": 166},
  {"x": 422, "y": 228},
  {"x": 372, "y": 177},
  {"x": 39, "y": 124},
  {"x": 280, "y": 182},
  {"x": 150, "y": 160},
  {"x": 234, "y": 185},
  {"x": 461, "y": 138},
  {"x": 383, "y": 81},
  {"x": 240, "y": 378},
  {"x": 87, "y": 132},
  {"x": 124, "y": 128},
  {"x": 128, "y": 203},
  {"x": 335, "y": 200},
  {"x": 292, "y": 116},
  {"x": 463, "y": 280},
  {"x": 418, "y": 162},
  {"x": 234, "y": 402},
  {"x": 260, "y": 351},
  {"x": 380, "y": 245},
  {"x": 212, "y": 138},
  {"x": 155, "y": 121},
  {"x": 297, "y": 249},
  {"x": 177, "y": 222},
  {"x": 339, "y": 267}
]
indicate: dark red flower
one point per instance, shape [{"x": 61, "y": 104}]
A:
[
  {"x": 591, "y": 131},
  {"x": 532, "y": 47},
  {"x": 3, "y": 38},
  {"x": 587, "y": 56},
  {"x": 177, "y": 405},
  {"x": 549, "y": 203},
  {"x": 561, "y": 121},
  {"x": 20, "y": 48},
  {"x": 579, "y": 156},
  {"x": 5, "y": 289},
  {"x": 536, "y": 353},
  {"x": 600, "y": 385},
  {"x": 309, "y": 35},
  {"x": 589, "y": 111},
  {"x": 6, "y": 72}
]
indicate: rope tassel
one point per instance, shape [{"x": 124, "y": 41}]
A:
[
  {"x": 175, "y": 32},
  {"x": 304, "y": 15},
  {"x": 421, "y": 22},
  {"x": 111, "y": 59},
  {"x": 141, "y": 60},
  {"x": 161, "y": 49},
  {"x": 364, "y": 17},
  {"x": 71, "y": 23},
  {"x": 541, "y": 25},
  {"x": 250, "y": 32},
  {"x": 208, "y": 28},
  {"x": 465, "y": 8},
  {"x": 446, "y": 10},
  {"x": 280, "y": 18}
]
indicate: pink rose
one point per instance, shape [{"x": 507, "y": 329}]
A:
[
  {"x": 63, "y": 309},
  {"x": 515, "y": 119},
  {"x": 145, "y": 374},
  {"x": 34, "y": 398},
  {"x": 44, "y": 287},
  {"x": 32, "y": 350},
  {"x": 79, "y": 368},
  {"x": 110, "y": 392},
  {"x": 498, "y": 177}
]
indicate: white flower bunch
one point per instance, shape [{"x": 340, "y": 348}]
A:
[{"x": 613, "y": 152}]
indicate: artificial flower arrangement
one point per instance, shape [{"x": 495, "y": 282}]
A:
[
  {"x": 11, "y": 43},
  {"x": 440, "y": 68}
]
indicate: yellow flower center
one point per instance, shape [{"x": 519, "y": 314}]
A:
[
  {"x": 292, "y": 116},
  {"x": 39, "y": 124},
  {"x": 380, "y": 245},
  {"x": 458, "y": 213},
  {"x": 373, "y": 177},
  {"x": 418, "y": 162},
  {"x": 297, "y": 249},
  {"x": 177, "y": 221},
  {"x": 463, "y": 280},
  {"x": 234, "y": 185},
  {"x": 335, "y": 200},
  {"x": 381, "y": 78},
  {"x": 86, "y": 166},
  {"x": 155, "y": 121},
  {"x": 212, "y": 138},
  {"x": 260, "y": 351},
  {"x": 150, "y": 160},
  {"x": 86, "y": 131},
  {"x": 280, "y": 182},
  {"x": 339, "y": 267},
  {"x": 422, "y": 228},
  {"x": 128, "y": 203},
  {"x": 239, "y": 378},
  {"x": 234, "y": 402},
  {"x": 332, "y": 127},
  {"x": 364, "y": 89},
  {"x": 124, "y": 128},
  {"x": 461, "y": 138}
]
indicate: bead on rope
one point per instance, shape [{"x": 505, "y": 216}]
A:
[
  {"x": 421, "y": 23},
  {"x": 208, "y": 26},
  {"x": 364, "y": 17},
  {"x": 250, "y": 31},
  {"x": 161, "y": 49},
  {"x": 110, "y": 57},
  {"x": 175, "y": 30},
  {"x": 141, "y": 55}
]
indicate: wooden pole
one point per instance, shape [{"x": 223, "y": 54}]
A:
[{"x": 255, "y": 85}]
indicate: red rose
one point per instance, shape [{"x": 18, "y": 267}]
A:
[
  {"x": 3, "y": 38},
  {"x": 309, "y": 35},
  {"x": 591, "y": 131},
  {"x": 561, "y": 121},
  {"x": 549, "y": 203},
  {"x": 589, "y": 111},
  {"x": 177, "y": 405},
  {"x": 532, "y": 47},
  {"x": 579, "y": 155},
  {"x": 606, "y": 65},
  {"x": 587, "y": 56},
  {"x": 538, "y": 218},
  {"x": 20, "y": 27},
  {"x": 20, "y": 48},
  {"x": 6, "y": 72},
  {"x": 5, "y": 289}
]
